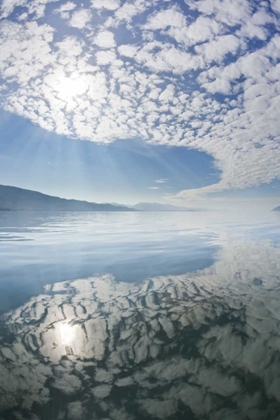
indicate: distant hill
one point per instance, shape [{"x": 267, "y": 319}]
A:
[
  {"x": 13, "y": 198},
  {"x": 159, "y": 207},
  {"x": 276, "y": 209}
]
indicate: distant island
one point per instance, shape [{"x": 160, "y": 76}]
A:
[
  {"x": 17, "y": 199},
  {"x": 13, "y": 198}
]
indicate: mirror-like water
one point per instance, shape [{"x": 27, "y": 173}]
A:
[{"x": 139, "y": 316}]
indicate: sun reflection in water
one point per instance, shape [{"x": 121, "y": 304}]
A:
[{"x": 67, "y": 333}]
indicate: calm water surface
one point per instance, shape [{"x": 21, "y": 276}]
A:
[{"x": 129, "y": 316}]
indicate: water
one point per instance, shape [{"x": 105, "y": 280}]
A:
[{"x": 139, "y": 316}]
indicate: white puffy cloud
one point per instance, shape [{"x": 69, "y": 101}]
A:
[
  {"x": 105, "y": 57},
  {"x": 128, "y": 50},
  {"x": 166, "y": 18},
  {"x": 275, "y": 5},
  {"x": 217, "y": 49},
  {"x": 208, "y": 80},
  {"x": 229, "y": 12},
  {"x": 7, "y": 6},
  {"x": 201, "y": 30},
  {"x": 65, "y": 9},
  {"x": 80, "y": 18},
  {"x": 127, "y": 12},
  {"x": 105, "y": 4},
  {"x": 173, "y": 23},
  {"x": 105, "y": 39},
  {"x": 37, "y": 7},
  {"x": 160, "y": 57}
]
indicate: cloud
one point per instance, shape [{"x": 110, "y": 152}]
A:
[
  {"x": 104, "y": 58},
  {"x": 161, "y": 57},
  {"x": 105, "y": 4},
  {"x": 172, "y": 17},
  {"x": 127, "y": 50},
  {"x": 65, "y": 9},
  {"x": 127, "y": 12},
  {"x": 105, "y": 39},
  {"x": 217, "y": 50},
  {"x": 229, "y": 12},
  {"x": 154, "y": 188},
  {"x": 275, "y": 5},
  {"x": 80, "y": 18},
  {"x": 206, "y": 80},
  {"x": 161, "y": 180},
  {"x": 37, "y": 7}
]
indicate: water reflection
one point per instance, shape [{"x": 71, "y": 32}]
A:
[
  {"x": 195, "y": 346},
  {"x": 39, "y": 247}
]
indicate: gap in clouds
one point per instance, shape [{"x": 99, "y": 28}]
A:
[{"x": 125, "y": 170}]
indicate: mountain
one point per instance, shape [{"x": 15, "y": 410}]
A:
[
  {"x": 276, "y": 209},
  {"x": 13, "y": 198},
  {"x": 159, "y": 207}
]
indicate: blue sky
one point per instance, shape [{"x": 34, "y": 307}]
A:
[
  {"x": 186, "y": 93},
  {"x": 124, "y": 171}
]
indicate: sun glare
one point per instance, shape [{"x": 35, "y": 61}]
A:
[
  {"x": 67, "y": 333},
  {"x": 68, "y": 87}
]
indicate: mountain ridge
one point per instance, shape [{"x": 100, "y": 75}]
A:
[{"x": 15, "y": 198}]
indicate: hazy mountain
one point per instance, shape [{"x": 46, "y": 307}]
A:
[
  {"x": 276, "y": 209},
  {"x": 159, "y": 207},
  {"x": 13, "y": 198}
]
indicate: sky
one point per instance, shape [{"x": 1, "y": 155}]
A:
[{"x": 128, "y": 101}]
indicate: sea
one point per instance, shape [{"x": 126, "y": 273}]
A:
[{"x": 139, "y": 315}]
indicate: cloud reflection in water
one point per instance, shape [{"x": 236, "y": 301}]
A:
[{"x": 200, "y": 345}]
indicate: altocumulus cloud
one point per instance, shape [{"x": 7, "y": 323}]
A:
[{"x": 203, "y": 75}]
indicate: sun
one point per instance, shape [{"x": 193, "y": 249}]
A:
[{"x": 71, "y": 87}]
